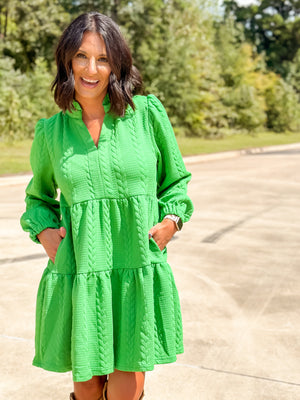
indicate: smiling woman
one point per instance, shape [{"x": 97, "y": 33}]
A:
[
  {"x": 113, "y": 51},
  {"x": 107, "y": 304},
  {"x": 91, "y": 69},
  {"x": 91, "y": 72}
]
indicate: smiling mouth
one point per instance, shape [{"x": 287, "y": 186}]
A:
[{"x": 89, "y": 82}]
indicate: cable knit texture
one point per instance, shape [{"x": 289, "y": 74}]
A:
[{"x": 109, "y": 300}]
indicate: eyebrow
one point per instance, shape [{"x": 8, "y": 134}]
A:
[{"x": 99, "y": 55}]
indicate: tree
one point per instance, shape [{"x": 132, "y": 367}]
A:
[
  {"x": 35, "y": 27},
  {"x": 245, "y": 78},
  {"x": 293, "y": 74},
  {"x": 283, "y": 108},
  {"x": 273, "y": 27},
  {"x": 211, "y": 74},
  {"x": 172, "y": 45},
  {"x": 3, "y": 19},
  {"x": 24, "y": 98}
]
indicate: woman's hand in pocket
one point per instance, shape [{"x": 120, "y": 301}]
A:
[
  {"x": 50, "y": 240},
  {"x": 163, "y": 232}
]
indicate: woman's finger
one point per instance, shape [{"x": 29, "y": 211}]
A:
[
  {"x": 62, "y": 231},
  {"x": 153, "y": 230}
]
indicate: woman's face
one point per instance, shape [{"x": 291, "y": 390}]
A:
[{"x": 91, "y": 68}]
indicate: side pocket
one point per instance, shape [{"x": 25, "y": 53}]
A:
[
  {"x": 56, "y": 260},
  {"x": 154, "y": 245},
  {"x": 156, "y": 255},
  {"x": 64, "y": 262}
]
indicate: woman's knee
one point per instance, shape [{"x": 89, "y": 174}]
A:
[
  {"x": 89, "y": 389},
  {"x": 125, "y": 385}
]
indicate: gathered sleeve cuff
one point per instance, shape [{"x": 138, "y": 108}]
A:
[
  {"x": 42, "y": 208},
  {"x": 172, "y": 176}
]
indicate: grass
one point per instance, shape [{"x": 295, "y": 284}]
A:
[
  {"x": 14, "y": 157},
  {"x": 190, "y": 146}
]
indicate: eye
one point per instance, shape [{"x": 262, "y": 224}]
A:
[
  {"x": 103, "y": 59},
  {"x": 80, "y": 55}
]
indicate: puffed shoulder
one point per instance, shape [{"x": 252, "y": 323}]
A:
[
  {"x": 157, "y": 112},
  {"x": 39, "y": 128},
  {"x": 40, "y": 131},
  {"x": 47, "y": 124},
  {"x": 159, "y": 121},
  {"x": 150, "y": 102},
  {"x": 154, "y": 103}
]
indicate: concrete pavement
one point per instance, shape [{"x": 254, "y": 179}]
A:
[{"x": 236, "y": 265}]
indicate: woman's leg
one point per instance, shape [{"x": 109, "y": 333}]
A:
[
  {"x": 90, "y": 390},
  {"x": 125, "y": 385}
]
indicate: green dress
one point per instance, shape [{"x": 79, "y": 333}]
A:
[{"x": 109, "y": 300}]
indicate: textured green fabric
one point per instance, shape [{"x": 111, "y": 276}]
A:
[{"x": 109, "y": 300}]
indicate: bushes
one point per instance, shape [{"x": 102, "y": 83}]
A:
[
  {"x": 283, "y": 109},
  {"x": 209, "y": 78},
  {"x": 254, "y": 97},
  {"x": 24, "y": 98},
  {"x": 246, "y": 108}
]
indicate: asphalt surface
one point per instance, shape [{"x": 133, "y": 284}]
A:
[{"x": 236, "y": 264}]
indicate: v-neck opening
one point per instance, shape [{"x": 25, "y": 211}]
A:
[
  {"x": 76, "y": 114},
  {"x": 95, "y": 146},
  {"x": 89, "y": 142},
  {"x": 101, "y": 131}
]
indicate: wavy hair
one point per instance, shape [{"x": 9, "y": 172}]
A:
[{"x": 124, "y": 81}]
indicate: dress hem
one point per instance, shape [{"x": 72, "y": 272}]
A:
[{"x": 84, "y": 378}]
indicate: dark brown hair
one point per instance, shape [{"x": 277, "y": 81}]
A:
[{"x": 124, "y": 80}]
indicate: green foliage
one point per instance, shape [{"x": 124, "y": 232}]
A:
[
  {"x": 241, "y": 70},
  {"x": 33, "y": 31},
  {"x": 168, "y": 64},
  {"x": 176, "y": 57},
  {"x": 293, "y": 74},
  {"x": 255, "y": 96},
  {"x": 273, "y": 27},
  {"x": 212, "y": 75},
  {"x": 74, "y": 8},
  {"x": 246, "y": 108},
  {"x": 283, "y": 109},
  {"x": 23, "y": 99}
]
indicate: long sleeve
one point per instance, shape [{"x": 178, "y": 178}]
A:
[
  {"x": 172, "y": 176},
  {"x": 42, "y": 208}
]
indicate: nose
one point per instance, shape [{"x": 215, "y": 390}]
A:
[{"x": 92, "y": 66}]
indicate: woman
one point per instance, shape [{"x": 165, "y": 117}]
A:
[{"x": 107, "y": 304}]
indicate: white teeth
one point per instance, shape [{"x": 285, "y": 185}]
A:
[{"x": 89, "y": 80}]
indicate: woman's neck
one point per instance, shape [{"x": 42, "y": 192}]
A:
[{"x": 91, "y": 108}]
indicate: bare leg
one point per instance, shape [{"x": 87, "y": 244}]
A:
[
  {"x": 89, "y": 390},
  {"x": 125, "y": 385}
]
